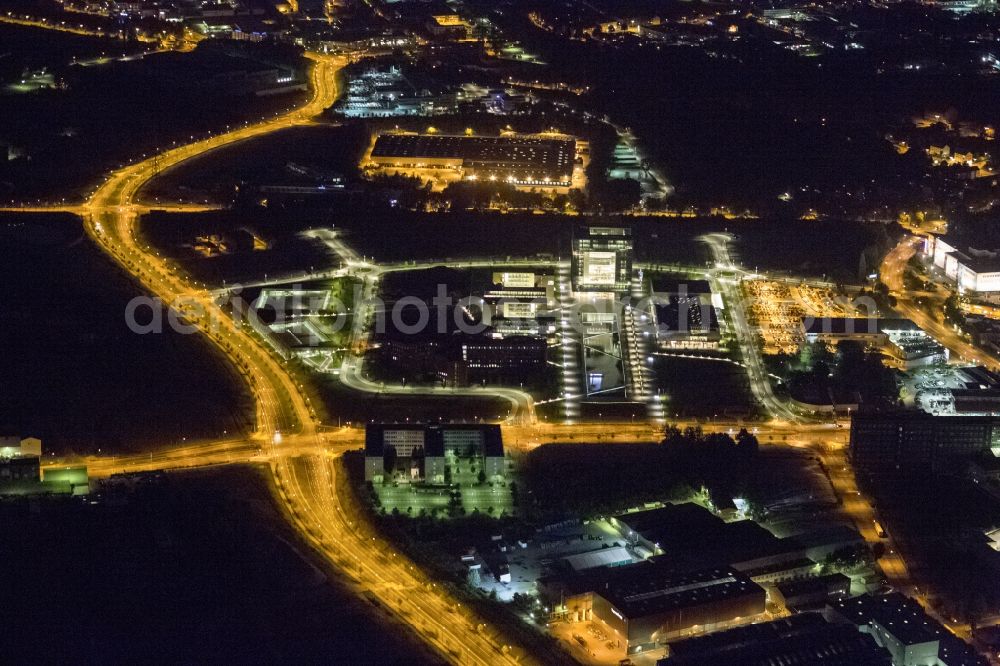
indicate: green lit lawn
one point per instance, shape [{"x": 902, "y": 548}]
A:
[
  {"x": 410, "y": 500},
  {"x": 416, "y": 499}
]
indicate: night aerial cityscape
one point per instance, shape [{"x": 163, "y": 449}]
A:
[{"x": 612, "y": 332}]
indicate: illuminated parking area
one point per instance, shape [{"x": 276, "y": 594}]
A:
[{"x": 546, "y": 160}]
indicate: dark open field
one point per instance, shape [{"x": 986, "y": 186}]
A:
[
  {"x": 75, "y": 375},
  {"x": 201, "y": 569}
]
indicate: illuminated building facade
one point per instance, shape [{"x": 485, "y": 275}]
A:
[
  {"x": 432, "y": 444},
  {"x": 973, "y": 270},
  {"x": 602, "y": 259}
]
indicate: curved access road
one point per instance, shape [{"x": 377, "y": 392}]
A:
[
  {"x": 891, "y": 273},
  {"x": 304, "y": 485}
]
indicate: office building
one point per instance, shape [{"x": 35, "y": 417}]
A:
[
  {"x": 602, "y": 259},
  {"x": 907, "y": 441},
  {"x": 522, "y": 304},
  {"x": 974, "y": 270},
  {"x": 409, "y": 445}
]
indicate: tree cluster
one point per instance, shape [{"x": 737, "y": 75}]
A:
[{"x": 599, "y": 479}]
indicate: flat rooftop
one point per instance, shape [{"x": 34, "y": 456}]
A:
[
  {"x": 800, "y": 640},
  {"x": 656, "y": 587},
  {"x": 605, "y": 557},
  {"x": 677, "y": 521},
  {"x": 899, "y": 615},
  {"x": 690, "y": 534},
  {"x": 981, "y": 261},
  {"x": 435, "y": 438},
  {"x": 794, "y": 588},
  {"x": 689, "y": 318},
  {"x": 640, "y": 591}
]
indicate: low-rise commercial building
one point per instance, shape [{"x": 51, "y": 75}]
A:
[
  {"x": 16, "y": 447},
  {"x": 19, "y": 469},
  {"x": 19, "y": 461}
]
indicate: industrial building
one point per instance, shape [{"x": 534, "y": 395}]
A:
[
  {"x": 901, "y": 626},
  {"x": 407, "y": 444},
  {"x": 642, "y": 606},
  {"x": 387, "y": 91},
  {"x": 901, "y": 441},
  {"x": 689, "y": 534},
  {"x": 602, "y": 259},
  {"x": 800, "y": 640},
  {"x": 528, "y": 160},
  {"x": 616, "y": 556}
]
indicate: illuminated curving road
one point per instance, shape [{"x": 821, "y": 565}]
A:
[
  {"x": 891, "y": 273},
  {"x": 302, "y": 456},
  {"x": 304, "y": 475}
]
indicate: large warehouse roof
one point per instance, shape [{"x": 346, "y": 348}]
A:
[{"x": 549, "y": 154}]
